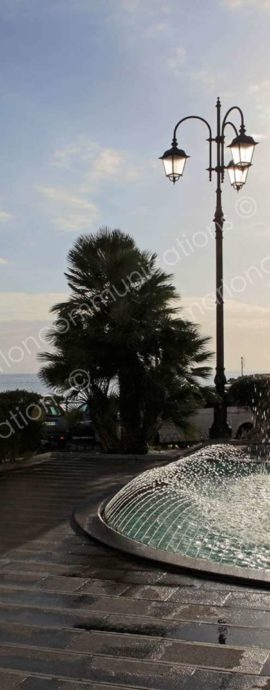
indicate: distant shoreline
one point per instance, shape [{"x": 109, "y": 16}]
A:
[{"x": 29, "y": 382}]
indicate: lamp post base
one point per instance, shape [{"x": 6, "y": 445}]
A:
[{"x": 220, "y": 428}]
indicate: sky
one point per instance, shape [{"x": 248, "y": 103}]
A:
[{"x": 90, "y": 91}]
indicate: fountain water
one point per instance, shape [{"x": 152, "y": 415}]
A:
[{"x": 213, "y": 505}]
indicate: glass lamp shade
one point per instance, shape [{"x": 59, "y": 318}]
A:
[
  {"x": 237, "y": 174},
  {"x": 242, "y": 149},
  {"x": 174, "y": 161}
]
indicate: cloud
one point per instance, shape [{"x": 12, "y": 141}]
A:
[
  {"x": 131, "y": 5},
  {"x": 239, "y": 4},
  {"x": 3, "y": 262},
  {"x": 76, "y": 222},
  {"x": 176, "y": 61},
  {"x": 5, "y": 216},
  {"x": 25, "y": 306},
  {"x": 63, "y": 196},
  {"x": 261, "y": 87},
  {"x": 246, "y": 325},
  {"x": 206, "y": 80},
  {"x": 71, "y": 217},
  {"x": 82, "y": 151},
  {"x": 109, "y": 162},
  {"x": 95, "y": 164}
]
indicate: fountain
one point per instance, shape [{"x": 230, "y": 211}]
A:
[{"x": 208, "y": 512}]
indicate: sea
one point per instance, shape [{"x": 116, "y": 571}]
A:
[
  {"x": 31, "y": 382},
  {"x": 27, "y": 382}
]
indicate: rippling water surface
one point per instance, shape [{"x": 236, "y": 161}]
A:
[{"x": 214, "y": 505}]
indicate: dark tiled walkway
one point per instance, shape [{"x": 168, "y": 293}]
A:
[{"x": 74, "y": 614}]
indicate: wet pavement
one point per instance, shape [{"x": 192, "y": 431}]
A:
[{"x": 75, "y": 614}]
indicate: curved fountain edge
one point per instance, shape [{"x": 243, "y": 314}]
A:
[{"x": 90, "y": 522}]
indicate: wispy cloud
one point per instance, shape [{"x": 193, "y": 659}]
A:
[
  {"x": 176, "y": 61},
  {"x": 5, "y": 216},
  {"x": 81, "y": 151},
  {"x": 76, "y": 222},
  {"x": 261, "y": 87},
  {"x": 76, "y": 213},
  {"x": 62, "y": 196},
  {"x": 206, "y": 80},
  {"x": 245, "y": 324},
  {"x": 244, "y": 4},
  {"x": 131, "y": 5},
  {"x": 23, "y": 306},
  {"x": 3, "y": 262},
  {"x": 95, "y": 163}
]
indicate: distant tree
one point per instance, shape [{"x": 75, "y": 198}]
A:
[
  {"x": 120, "y": 339},
  {"x": 20, "y": 423},
  {"x": 250, "y": 391}
]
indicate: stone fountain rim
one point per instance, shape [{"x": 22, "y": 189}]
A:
[
  {"x": 92, "y": 525},
  {"x": 89, "y": 521}
]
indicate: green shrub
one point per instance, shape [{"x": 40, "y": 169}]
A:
[{"x": 20, "y": 423}]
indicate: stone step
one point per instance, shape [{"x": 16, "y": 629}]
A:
[
  {"x": 103, "y": 669},
  {"x": 84, "y": 603},
  {"x": 134, "y": 625},
  {"x": 200, "y": 680},
  {"x": 52, "y": 583},
  {"x": 38, "y": 683},
  {"x": 138, "y": 647},
  {"x": 154, "y": 672}
]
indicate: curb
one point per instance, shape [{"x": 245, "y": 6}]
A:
[
  {"x": 52, "y": 455},
  {"x": 24, "y": 464}
]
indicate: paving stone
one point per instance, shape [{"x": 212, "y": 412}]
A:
[
  {"x": 47, "y": 599},
  {"x": 20, "y": 579},
  {"x": 211, "y": 680},
  {"x": 140, "y": 673},
  {"x": 185, "y": 595},
  {"x": 35, "y": 683},
  {"x": 139, "y": 577},
  {"x": 180, "y": 580},
  {"x": 258, "y": 600},
  {"x": 109, "y": 574},
  {"x": 135, "y": 625},
  {"x": 266, "y": 668},
  {"x": 226, "y": 615},
  {"x": 44, "y": 568},
  {"x": 150, "y": 592},
  {"x": 10, "y": 681},
  {"x": 106, "y": 587},
  {"x": 132, "y": 606},
  {"x": 62, "y": 584},
  {"x": 4, "y": 562},
  {"x": 222, "y": 657},
  {"x": 51, "y": 617}
]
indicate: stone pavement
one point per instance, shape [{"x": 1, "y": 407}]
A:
[{"x": 76, "y": 615}]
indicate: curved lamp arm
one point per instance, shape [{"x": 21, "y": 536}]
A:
[
  {"x": 224, "y": 124},
  {"x": 210, "y": 138}
]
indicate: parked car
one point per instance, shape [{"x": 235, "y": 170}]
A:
[
  {"x": 239, "y": 418},
  {"x": 55, "y": 430},
  {"x": 81, "y": 428}
]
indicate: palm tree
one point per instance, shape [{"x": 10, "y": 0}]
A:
[{"x": 120, "y": 326}]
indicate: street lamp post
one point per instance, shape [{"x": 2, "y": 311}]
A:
[{"x": 242, "y": 149}]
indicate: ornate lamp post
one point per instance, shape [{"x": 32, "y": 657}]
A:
[{"x": 242, "y": 149}]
